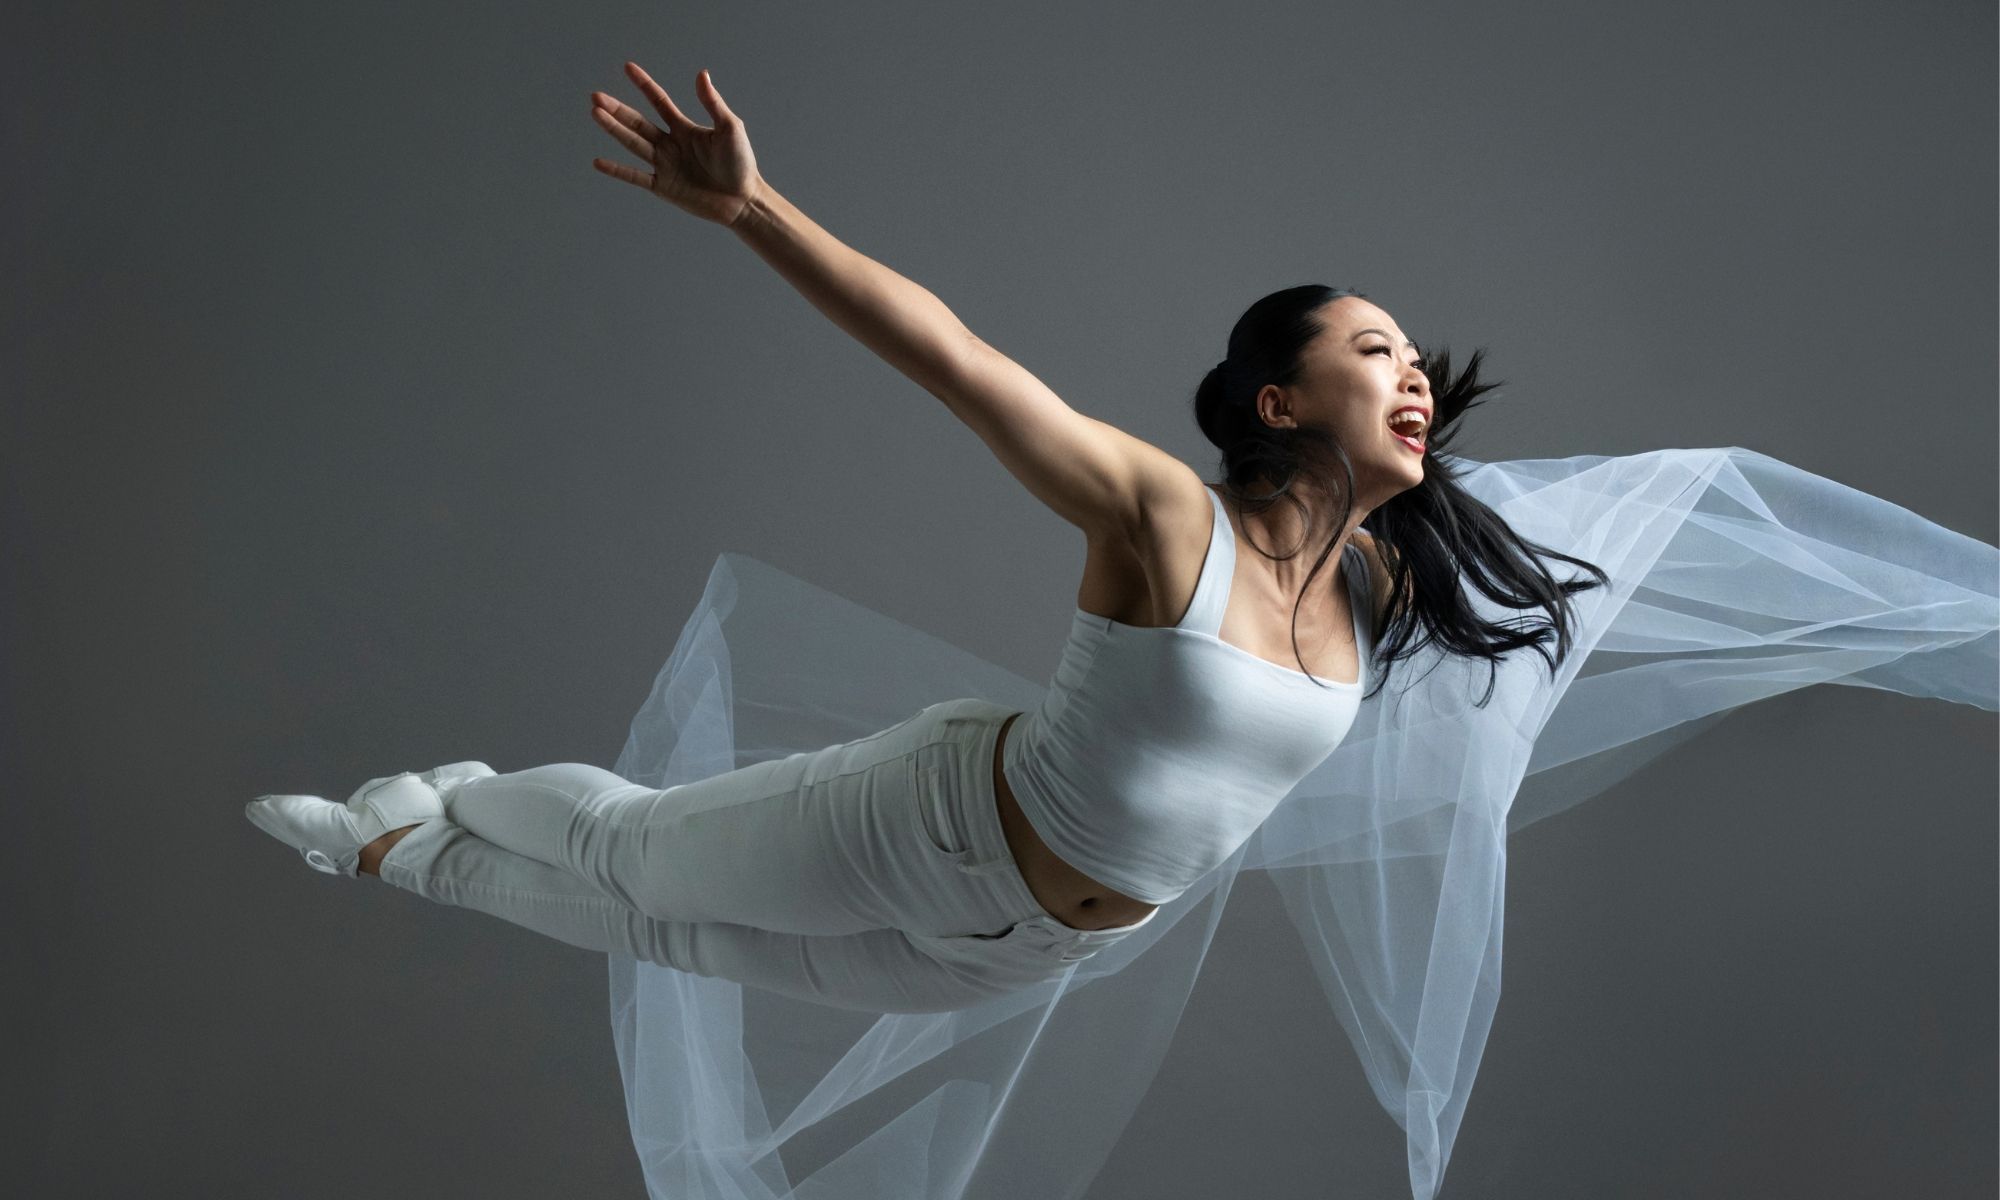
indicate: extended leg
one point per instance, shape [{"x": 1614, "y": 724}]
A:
[
  {"x": 753, "y": 846},
  {"x": 440, "y": 861},
  {"x": 878, "y": 970}
]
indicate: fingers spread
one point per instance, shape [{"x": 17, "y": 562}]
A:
[
  {"x": 625, "y": 173},
  {"x": 631, "y": 141},
  {"x": 677, "y": 121},
  {"x": 711, "y": 98},
  {"x": 632, "y": 130}
]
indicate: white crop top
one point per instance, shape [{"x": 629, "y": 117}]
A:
[{"x": 1158, "y": 751}]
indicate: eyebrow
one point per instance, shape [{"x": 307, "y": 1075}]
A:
[{"x": 1411, "y": 345}]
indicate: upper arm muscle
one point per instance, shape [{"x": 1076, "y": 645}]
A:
[{"x": 1092, "y": 474}]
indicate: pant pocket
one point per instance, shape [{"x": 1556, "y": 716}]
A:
[{"x": 939, "y": 809}]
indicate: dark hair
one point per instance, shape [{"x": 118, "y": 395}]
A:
[{"x": 1431, "y": 535}]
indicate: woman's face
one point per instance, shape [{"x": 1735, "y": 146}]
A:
[{"x": 1354, "y": 377}]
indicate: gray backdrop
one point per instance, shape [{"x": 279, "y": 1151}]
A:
[{"x": 354, "y": 424}]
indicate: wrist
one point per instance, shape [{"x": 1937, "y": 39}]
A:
[{"x": 756, "y": 208}]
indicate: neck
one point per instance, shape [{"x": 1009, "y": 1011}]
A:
[{"x": 1282, "y": 529}]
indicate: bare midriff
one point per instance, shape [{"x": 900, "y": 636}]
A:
[{"x": 1069, "y": 895}]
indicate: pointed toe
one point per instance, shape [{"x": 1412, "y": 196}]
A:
[
  {"x": 330, "y": 836},
  {"x": 320, "y": 830}
]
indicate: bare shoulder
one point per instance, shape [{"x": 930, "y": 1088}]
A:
[{"x": 1172, "y": 499}]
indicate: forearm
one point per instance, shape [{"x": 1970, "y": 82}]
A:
[{"x": 898, "y": 319}]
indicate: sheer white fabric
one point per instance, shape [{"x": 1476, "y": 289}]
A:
[{"x": 1735, "y": 577}]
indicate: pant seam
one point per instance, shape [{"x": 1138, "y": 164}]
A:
[
  {"x": 885, "y": 762},
  {"x": 527, "y": 893},
  {"x": 586, "y": 810}
]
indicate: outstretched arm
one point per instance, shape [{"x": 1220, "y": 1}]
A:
[
  {"x": 898, "y": 318},
  {"x": 712, "y": 174},
  {"x": 1092, "y": 474}
]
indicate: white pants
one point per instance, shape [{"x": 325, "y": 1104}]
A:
[{"x": 870, "y": 875}]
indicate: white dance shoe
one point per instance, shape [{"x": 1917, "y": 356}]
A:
[{"x": 330, "y": 835}]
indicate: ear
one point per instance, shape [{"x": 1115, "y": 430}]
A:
[{"x": 1274, "y": 408}]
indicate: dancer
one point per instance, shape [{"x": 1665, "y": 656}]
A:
[
  {"x": 1222, "y": 704},
  {"x": 971, "y": 849}
]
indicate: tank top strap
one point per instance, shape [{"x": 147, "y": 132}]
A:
[{"x": 1218, "y": 569}]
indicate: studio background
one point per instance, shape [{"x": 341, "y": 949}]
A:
[{"x": 354, "y": 424}]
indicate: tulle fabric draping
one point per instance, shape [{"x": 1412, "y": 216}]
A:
[{"x": 1735, "y": 577}]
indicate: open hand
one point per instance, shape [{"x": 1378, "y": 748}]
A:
[{"x": 709, "y": 172}]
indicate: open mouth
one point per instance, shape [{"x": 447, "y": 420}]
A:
[{"x": 1409, "y": 429}]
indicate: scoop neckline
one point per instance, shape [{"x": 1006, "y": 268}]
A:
[{"x": 1217, "y": 513}]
